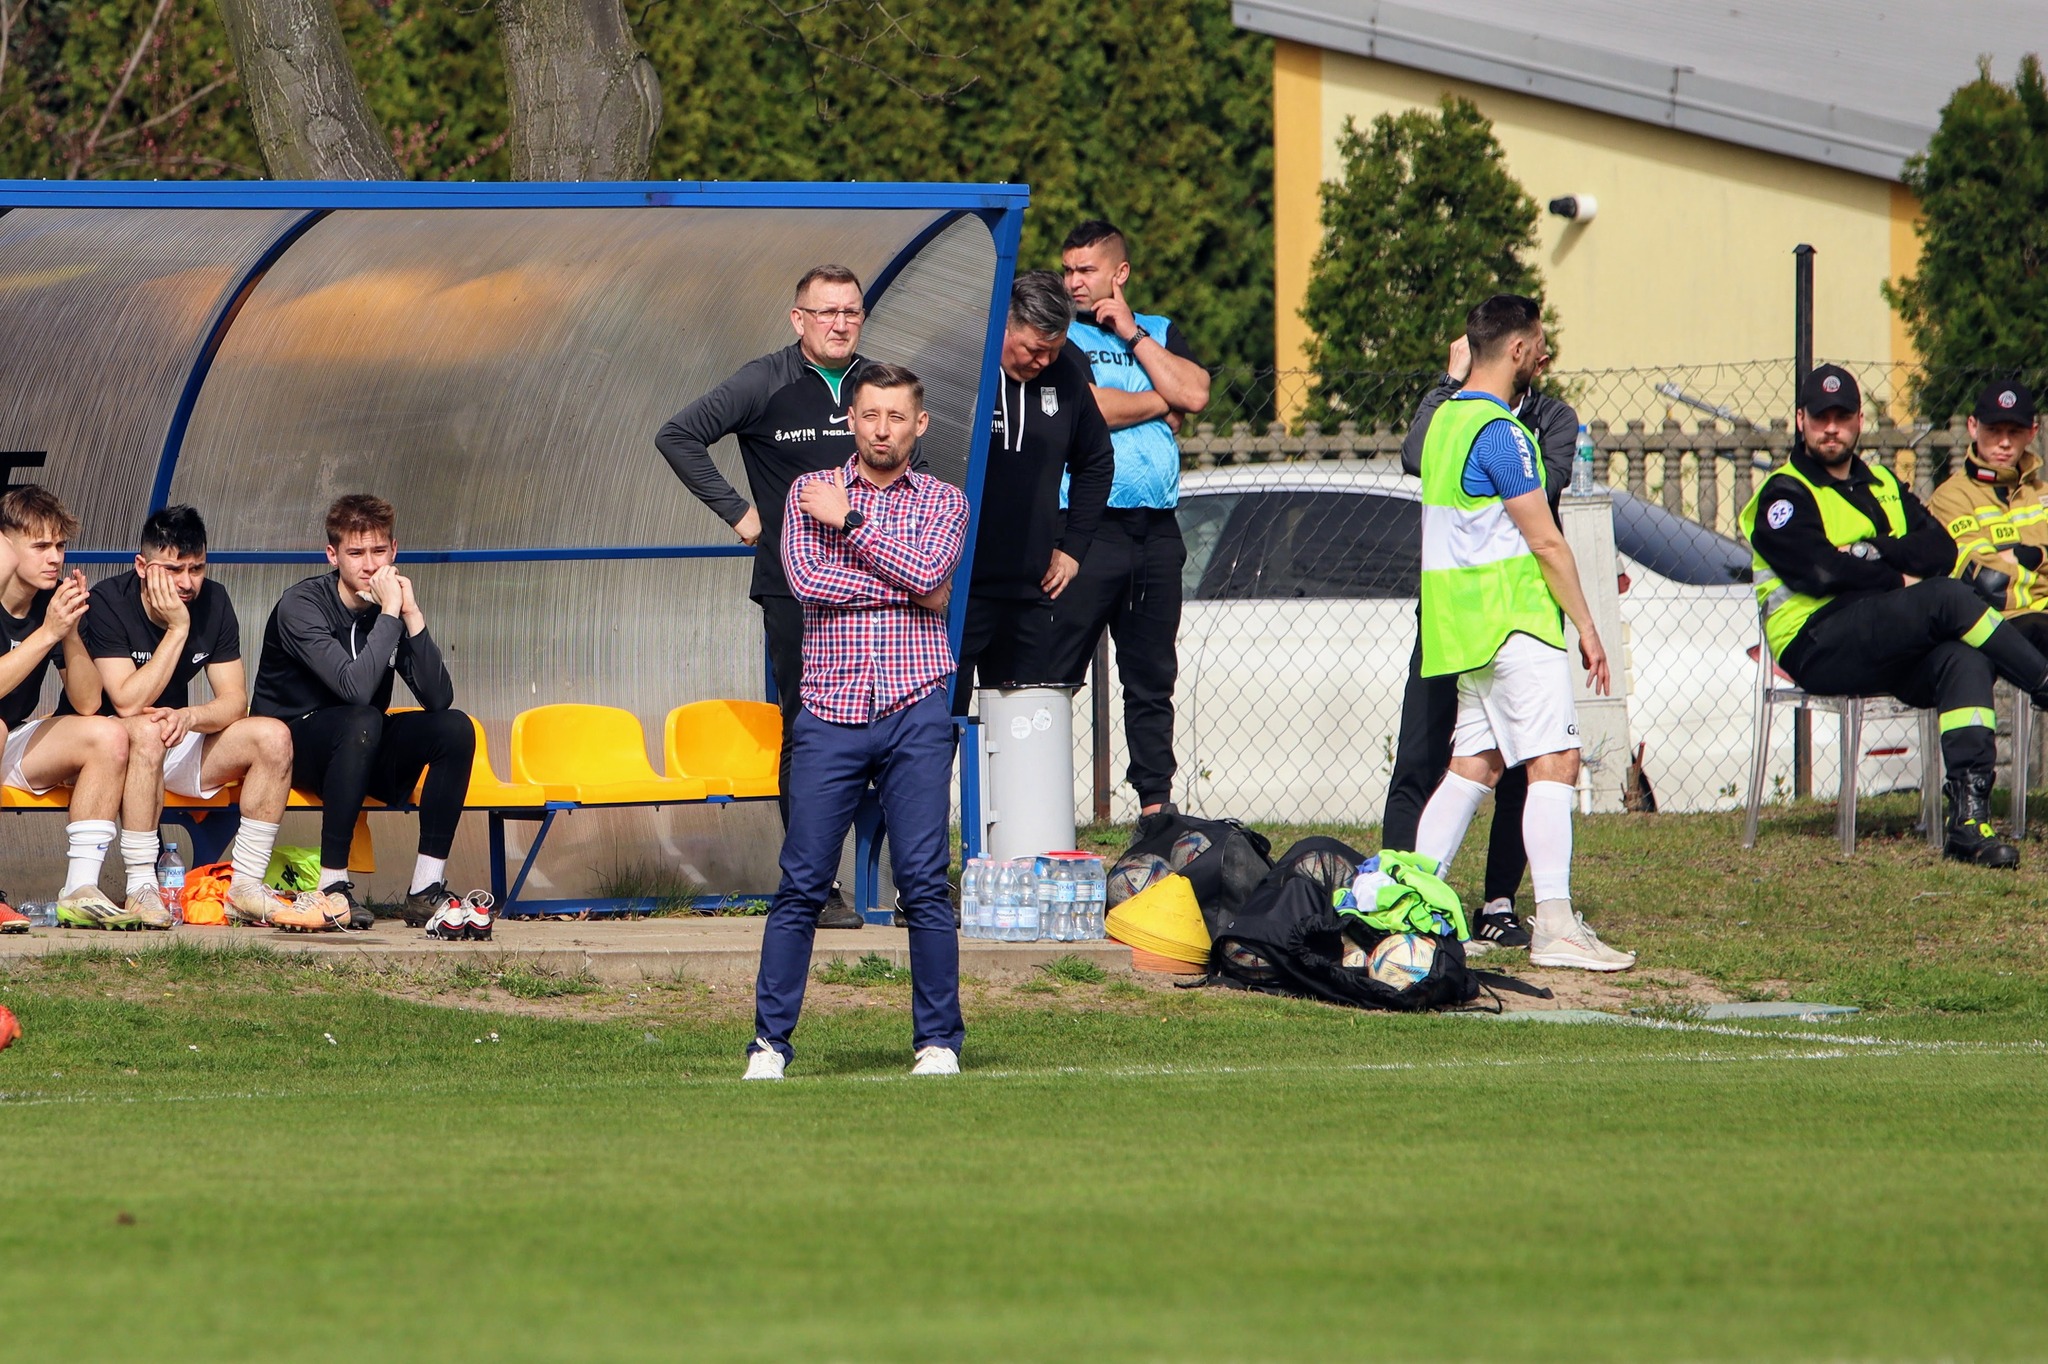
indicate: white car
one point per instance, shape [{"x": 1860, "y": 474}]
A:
[{"x": 1299, "y": 618}]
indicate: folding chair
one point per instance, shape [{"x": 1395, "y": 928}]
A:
[{"x": 1772, "y": 692}]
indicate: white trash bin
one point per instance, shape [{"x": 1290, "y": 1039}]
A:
[{"x": 1027, "y": 745}]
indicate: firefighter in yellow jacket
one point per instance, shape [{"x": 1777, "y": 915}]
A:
[{"x": 1996, "y": 509}]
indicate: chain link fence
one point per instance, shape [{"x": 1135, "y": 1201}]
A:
[{"x": 1303, "y": 541}]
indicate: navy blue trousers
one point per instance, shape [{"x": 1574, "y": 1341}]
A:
[{"x": 908, "y": 756}]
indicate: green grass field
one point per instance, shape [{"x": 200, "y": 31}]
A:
[{"x": 557, "y": 1172}]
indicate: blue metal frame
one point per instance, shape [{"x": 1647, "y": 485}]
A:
[{"x": 1001, "y": 207}]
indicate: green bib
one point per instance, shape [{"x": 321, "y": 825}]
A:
[
  {"x": 1785, "y": 612},
  {"x": 1480, "y": 582}
]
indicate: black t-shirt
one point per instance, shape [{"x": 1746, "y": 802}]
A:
[
  {"x": 21, "y": 703},
  {"x": 116, "y": 625}
]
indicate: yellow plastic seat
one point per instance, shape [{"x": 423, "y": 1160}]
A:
[
  {"x": 734, "y": 746},
  {"x": 592, "y": 755},
  {"x": 15, "y": 798},
  {"x": 486, "y": 792}
]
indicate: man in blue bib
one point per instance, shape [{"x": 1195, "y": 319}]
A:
[{"x": 1145, "y": 382}]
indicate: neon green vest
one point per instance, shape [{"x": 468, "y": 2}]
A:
[
  {"x": 1785, "y": 611},
  {"x": 1480, "y": 583}
]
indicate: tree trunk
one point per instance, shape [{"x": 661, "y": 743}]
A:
[
  {"x": 585, "y": 100},
  {"x": 310, "y": 116}
]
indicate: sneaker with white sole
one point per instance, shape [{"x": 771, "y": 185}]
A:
[
  {"x": 476, "y": 915},
  {"x": 253, "y": 903},
  {"x": 1496, "y": 926},
  {"x": 936, "y": 1061},
  {"x": 763, "y": 1062},
  {"x": 1578, "y": 949},
  {"x": 450, "y": 922},
  {"x": 147, "y": 905}
]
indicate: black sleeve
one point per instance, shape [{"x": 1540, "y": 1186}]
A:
[
  {"x": 1418, "y": 429},
  {"x": 685, "y": 440},
  {"x": 1091, "y": 464},
  {"x": 1926, "y": 550},
  {"x": 227, "y": 632},
  {"x": 100, "y": 631},
  {"x": 424, "y": 671},
  {"x": 1791, "y": 538},
  {"x": 1557, "y": 433},
  {"x": 2030, "y": 556},
  {"x": 1176, "y": 344}
]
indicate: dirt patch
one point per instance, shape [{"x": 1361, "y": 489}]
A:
[{"x": 1618, "y": 992}]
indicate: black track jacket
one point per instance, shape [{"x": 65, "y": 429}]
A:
[{"x": 1042, "y": 428}]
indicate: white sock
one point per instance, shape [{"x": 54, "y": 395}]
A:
[
  {"x": 1547, "y": 835},
  {"x": 1554, "y": 918},
  {"x": 90, "y": 839},
  {"x": 426, "y": 871},
  {"x": 331, "y": 876},
  {"x": 251, "y": 855},
  {"x": 138, "y": 855},
  {"x": 1446, "y": 817}
]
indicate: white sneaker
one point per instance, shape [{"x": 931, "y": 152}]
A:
[
  {"x": 763, "y": 1062},
  {"x": 936, "y": 1061},
  {"x": 1579, "y": 948}
]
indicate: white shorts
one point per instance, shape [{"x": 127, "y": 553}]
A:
[
  {"x": 1520, "y": 703},
  {"x": 181, "y": 764}
]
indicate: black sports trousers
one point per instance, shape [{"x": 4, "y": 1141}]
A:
[
  {"x": 1008, "y": 641},
  {"x": 783, "y": 619},
  {"x": 1909, "y": 644},
  {"x": 1129, "y": 584},
  {"x": 1422, "y": 754},
  {"x": 348, "y": 753}
]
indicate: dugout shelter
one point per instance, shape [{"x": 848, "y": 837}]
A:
[{"x": 495, "y": 359}]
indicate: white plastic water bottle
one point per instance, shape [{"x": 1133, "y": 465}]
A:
[
  {"x": 1004, "y": 926},
  {"x": 170, "y": 880},
  {"x": 1583, "y": 455},
  {"x": 970, "y": 903},
  {"x": 985, "y": 896},
  {"x": 1098, "y": 897},
  {"x": 1028, "y": 900},
  {"x": 1065, "y": 898}
]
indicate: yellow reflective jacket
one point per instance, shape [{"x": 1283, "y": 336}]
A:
[{"x": 1988, "y": 517}]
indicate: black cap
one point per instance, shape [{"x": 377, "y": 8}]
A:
[
  {"x": 1830, "y": 388},
  {"x": 2005, "y": 403}
]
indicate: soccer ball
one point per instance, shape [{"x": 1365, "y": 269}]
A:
[
  {"x": 1402, "y": 960},
  {"x": 1354, "y": 955},
  {"x": 10, "y": 1027},
  {"x": 1134, "y": 874},
  {"x": 1187, "y": 848}
]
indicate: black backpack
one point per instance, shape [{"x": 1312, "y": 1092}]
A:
[
  {"x": 1223, "y": 860},
  {"x": 1289, "y": 940}
]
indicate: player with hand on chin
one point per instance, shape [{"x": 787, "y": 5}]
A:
[{"x": 331, "y": 651}]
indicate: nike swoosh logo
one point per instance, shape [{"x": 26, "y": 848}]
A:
[{"x": 840, "y": 419}]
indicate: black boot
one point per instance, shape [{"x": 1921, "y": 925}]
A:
[
  {"x": 837, "y": 912},
  {"x": 1970, "y": 835}
]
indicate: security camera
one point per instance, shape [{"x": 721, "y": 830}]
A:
[{"x": 1578, "y": 208}]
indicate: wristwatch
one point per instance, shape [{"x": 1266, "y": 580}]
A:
[
  {"x": 853, "y": 522},
  {"x": 1135, "y": 337}
]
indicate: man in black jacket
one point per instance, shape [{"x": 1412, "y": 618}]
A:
[
  {"x": 1048, "y": 437},
  {"x": 1429, "y": 706},
  {"x": 789, "y": 410},
  {"x": 1852, "y": 576},
  {"x": 331, "y": 648}
]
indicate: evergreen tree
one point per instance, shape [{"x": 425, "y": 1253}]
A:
[
  {"x": 1978, "y": 305},
  {"x": 1425, "y": 223}
]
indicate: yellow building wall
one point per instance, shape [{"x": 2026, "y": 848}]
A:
[{"x": 1689, "y": 260}]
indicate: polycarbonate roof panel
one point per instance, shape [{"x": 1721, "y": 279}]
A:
[
  {"x": 499, "y": 374},
  {"x": 105, "y": 312},
  {"x": 919, "y": 322}
]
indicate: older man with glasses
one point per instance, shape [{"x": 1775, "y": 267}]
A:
[{"x": 788, "y": 410}]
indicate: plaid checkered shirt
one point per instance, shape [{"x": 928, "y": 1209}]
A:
[{"x": 869, "y": 651}]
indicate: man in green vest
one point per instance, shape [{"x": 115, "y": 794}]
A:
[
  {"x": 1852, "y": 579},
  {"x": 1495, "y": 570}
]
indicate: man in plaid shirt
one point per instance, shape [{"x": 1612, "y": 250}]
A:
[{"x": 869, "y": 549}]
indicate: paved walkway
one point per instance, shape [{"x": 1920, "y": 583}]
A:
[{"x": 719, "y": 951}]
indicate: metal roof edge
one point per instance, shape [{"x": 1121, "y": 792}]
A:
[
  {"x": 345, "y": 194},
  {"x": 1607, "y": 82}
]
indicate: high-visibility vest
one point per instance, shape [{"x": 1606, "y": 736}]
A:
[
  {"x": 1786, "y": 612},
  {"x": 1480, "y": 581}
]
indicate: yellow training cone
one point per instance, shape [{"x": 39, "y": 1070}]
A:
[{"x": 1163, "y": 918}]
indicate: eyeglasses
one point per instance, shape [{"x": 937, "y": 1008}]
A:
[{"x": 829, "y": 316}]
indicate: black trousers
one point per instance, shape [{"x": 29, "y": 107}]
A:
[
  {"x": 1910, "y": 644},
  {"x": 783, "y": 618},
  {"x": 1129, "y": 583},
  {"x": 1422, "y": 754},
  {"x": 348, "y": 753},
  {"x": 1007, "y": 641}
]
